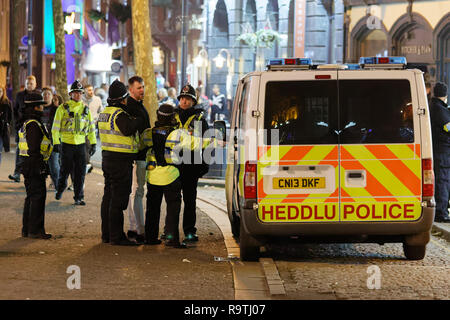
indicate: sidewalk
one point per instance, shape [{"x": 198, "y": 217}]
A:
[{"x": 40, "y": 269}]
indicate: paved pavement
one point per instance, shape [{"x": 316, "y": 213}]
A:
[{"x": 41, "y": 269}]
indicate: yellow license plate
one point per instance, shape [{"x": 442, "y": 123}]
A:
[{"x": 299, "y": 183}]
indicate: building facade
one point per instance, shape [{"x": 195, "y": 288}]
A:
[
  {"x": 315, "y": 26},
  {"x": 418, "y": 30}
]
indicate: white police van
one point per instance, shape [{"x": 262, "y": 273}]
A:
[{"x": 331, "y": 153}]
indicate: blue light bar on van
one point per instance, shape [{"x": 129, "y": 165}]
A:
[
  {"x": 290, "y": 62},
  {"x": 382, "y": 60},
  {"x": 353, "y": 66}
]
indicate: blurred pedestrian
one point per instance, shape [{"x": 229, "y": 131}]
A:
[
  {"x": 47, "y": 120},
  {"x": 172, "y": 93},
  {"x": 35, "y": 148},
  {"x": 440, "y": 127},
  {"x": 219, "y": 104},
  {"x": 72, "y": 124},
  {"x": 136, "y": 88},
  {"x": 5, "y": 121},
  {"x": 120, "y": 144},
  {"x": 19, "y": 105},
  {"x": 95, "y": 107}
]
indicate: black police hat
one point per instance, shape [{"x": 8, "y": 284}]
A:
[
  {"x": 440, "y": 90},
  {"x": 188, "y": 91},
  {"x": 33, "y": 99},
  {"x": 76, "y": 87},
  {"x": 166, "y": 110},
  {"x": 117, "y": 92}
]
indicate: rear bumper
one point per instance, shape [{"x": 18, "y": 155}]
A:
[{"x": 258, "y": 229}]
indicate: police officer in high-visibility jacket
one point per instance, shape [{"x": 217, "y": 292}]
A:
[
  {"x": 72, "y": 124},
  {"x": 193, "y": 120},
  {"x": 35, "y": 149},
  {"x": 163, "y": 176},
  {"x": 120, "y": 144}
]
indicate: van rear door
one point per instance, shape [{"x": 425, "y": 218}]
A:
[
  {"x": 297, "y": 168},
  {"x": 380, "y": 159}
]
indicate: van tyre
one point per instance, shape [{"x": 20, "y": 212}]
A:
[
  {"x": 248, "y": 245},
  {"x": 414, "y": 252}
]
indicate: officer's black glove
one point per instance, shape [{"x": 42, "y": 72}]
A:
[
  {"x": 92, "y": 149},
  {"x": 57, "y": 148}
]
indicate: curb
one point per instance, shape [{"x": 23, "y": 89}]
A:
[{"x": 443, "y": 229}]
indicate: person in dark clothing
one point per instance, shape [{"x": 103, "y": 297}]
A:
[
  {"x": 136, "y": 108},
  {"x": 163, "y": 176},
  {"x": 440, "y": 128},
  {"x": 193, "y": 120},
  {"x": 5, "y": 121},
  {"x": 35, "y": 148},
  {"x": 19, "y": 106},
  {"x": 47, "y": 119},
  {"x": 119, "y": 136}
]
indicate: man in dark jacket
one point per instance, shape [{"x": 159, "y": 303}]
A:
[
  {"x": 120, "y": 139},
  {"x": 193, "y": 120},
  {"x": 19, "y": 107},
  {"x": 440, "y": 127},
  {"x": 136, "y": 109}
]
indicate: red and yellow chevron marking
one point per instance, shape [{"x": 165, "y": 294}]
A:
[
  {"x": 392, "y": 190},
  {"x": 297, "y": 155}
]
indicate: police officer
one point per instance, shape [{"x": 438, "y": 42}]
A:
[
  {"x": 120, "y": 139},
  {"x": 35, "y": 149},
  {"x": 440, "y": 127},
  {"x": 193, "y": 120},
  {"x": 72, "y": 124},
  {"x": 163, "y": 178}
]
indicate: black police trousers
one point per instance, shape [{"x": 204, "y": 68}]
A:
[
  {"x": 172, "y": 195},
  {"x": 189, "y": 182},
  {"x": 442, "y": 183},
  {"x": 34, "y": 207},
  {"x": 118, "y": 180},
  {"x": 73, "y": 159}
]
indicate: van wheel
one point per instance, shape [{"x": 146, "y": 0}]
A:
[
  {"x": 248, "y": 245},
  {"x": 414, "y": 252}
]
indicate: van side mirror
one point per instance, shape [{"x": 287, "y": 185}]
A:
[{"x": 220, "y": 125}]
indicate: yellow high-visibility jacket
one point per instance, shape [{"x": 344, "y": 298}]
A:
[
  {"x": 110, "y": 135},
  {"x": 46, "y": 145},
  {"x": 73, "y": 123}
]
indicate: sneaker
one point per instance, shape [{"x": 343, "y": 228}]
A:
[
  {"x": 14, "y": 177},
  {"x": 191, "y": 237},
  {"x": 80, "y": 203},
  {"x": 70, "y": 187},
  {"x": 89, "y": 168}
]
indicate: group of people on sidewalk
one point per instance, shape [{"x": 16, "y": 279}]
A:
[{"x": 133, "y": 154}]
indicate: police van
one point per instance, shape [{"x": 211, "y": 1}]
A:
[{"x": 331, "y": 153}]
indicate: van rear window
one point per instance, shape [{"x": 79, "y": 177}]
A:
[
  {"x": 375, "y": 111},
  {"x": 310, "y": 112},
  {"x": 303, "y": 112}
]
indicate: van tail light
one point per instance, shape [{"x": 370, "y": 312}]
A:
[
  {"x": 427, "y": 178},
  {"x": 250, "y": 180}
]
